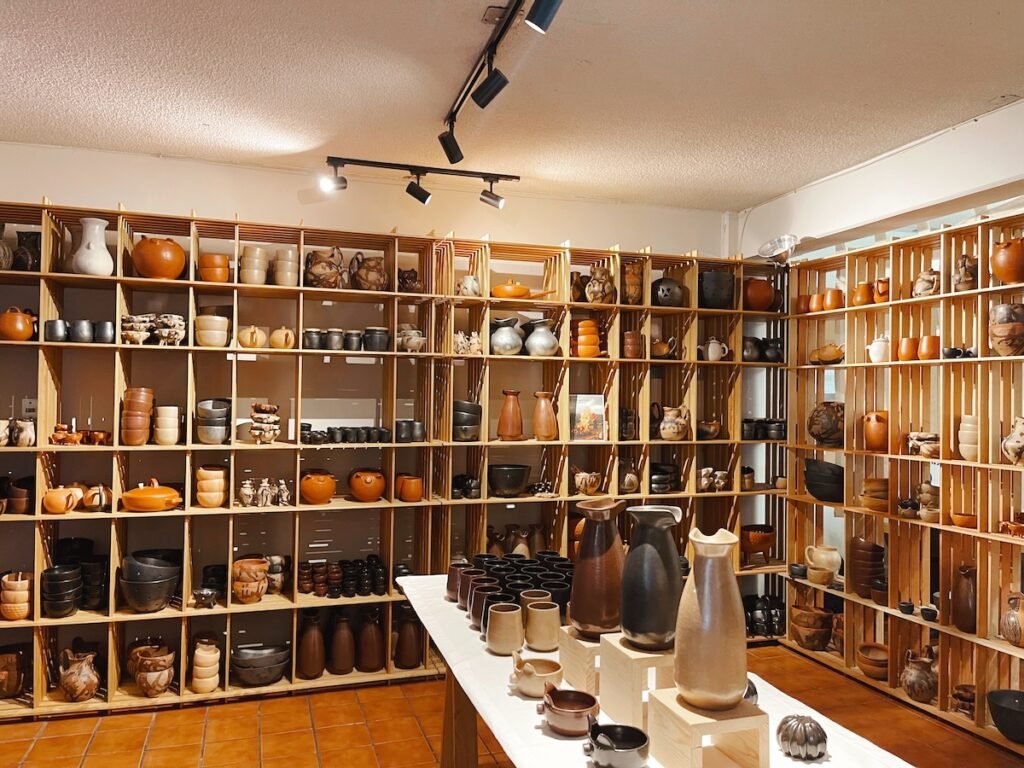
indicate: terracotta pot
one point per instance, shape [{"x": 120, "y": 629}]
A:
[
  {"x": 825, "y": 423},
  {"x": 833, "y": 299},
  {"x": 652, "y": 581},
  {"x": 411, "y": 490},
  {"x": 711, "y": 636},
  {"x": 312, "y": 655},
  {"x": 366, "y": 485},
  {"x": 342, "y": 658},
  {"x": 965, "y": 599},
  {"x": 317, "y": 486},
  {"x": 16, "y": 325},
  {"x": 863, "y": 294},
  {"x": 1008, "y": 261},
  {"x": 802, "y": 305},
  {"x": 545, "y": 423},
  {"x": 158, "y": 258},
  {"x": 876, "y": 431},
  {"x": 370, "y": 648},
  {"x": 758, "y": 295},
  {"x": 930, "y": 348},
  {"x": 510, "y": 420},
  {"x": 816, "y": 303},
  {"x": 908, "y": 349},
  {"x": 880, "y": 290},
  {"x": 597, "y": 578}
]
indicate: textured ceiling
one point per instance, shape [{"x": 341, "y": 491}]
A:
[{"x": 717, "y": 104}]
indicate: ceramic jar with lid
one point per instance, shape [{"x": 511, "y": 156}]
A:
[
  {"x": 17, "y": 325},
  {"x": 158, "y": 258},
  {"x": 376, "y": 339}
]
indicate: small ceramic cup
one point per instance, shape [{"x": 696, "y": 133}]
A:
[
  {"x": 543, "y": 620},
  {"x": 504, "y": 629}
]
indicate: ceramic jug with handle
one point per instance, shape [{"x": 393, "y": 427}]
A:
[
  {"x": 713, "y": 349},
  {"x": 823, "y": 557},
  {"x": 879, "y": 349},
  {"x": 675, "y": 423}
]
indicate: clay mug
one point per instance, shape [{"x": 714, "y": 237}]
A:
[
  {"x": 530, "y": 596},
  {"x": 543, "y": 620},
  {"x": 802, "y": 305},
  {"x": 504, "y": 629},
  {"x": 411, "y": 489},
  {"x": 633, "y": 344},
  {"x": 816, "y": 303},
  {"x": 930, "y": 348},
  {"x": 833, "y": 299},
  {"x": 662, "y": 349},
  {"x": 908, "y": 349}
]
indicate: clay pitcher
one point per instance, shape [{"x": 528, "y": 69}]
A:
[
  {"x": 881, "y": 290},
  {"x": 510, "y": 420},
  {"x": 312, "y": 653},
  {"x": 711, "y": 635},
  {"x": 78, "y": 677},
  {"x": 965, "y": 599},
  {"x": 919, "y": 677},
  {"x": 652, "y": 580},
  {"x": 545, "y": 423},
  {"x": 597, "y": 578},
  {"x": 863, "y": 294},
  {"x": 1011, "y": 623},
  {"x": 876, "y": 431},
  {"x": 343, "y": 647}
]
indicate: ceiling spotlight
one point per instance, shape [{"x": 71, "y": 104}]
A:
[
  {"x": 541, "y": 14},
  {"x": 333, "y": 183},
  {"x": 492, "y": 84},
  {"x": 417, "y": 191},
  {"x": 492, "y": 198},
  {"x": 450, "y": 146}
]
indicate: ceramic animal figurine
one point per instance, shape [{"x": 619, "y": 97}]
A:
[
  {"x": 721, "y": 479},
  {"x": 324, "y": 269},
  {"x": 601, "y": 288},
  {"x": 367, "y": 273},
  {"x": 965, "y": 278},
  {"x": 927, "y": 283},
  {"x": 633, "y": 283},
  {"x": 1012, "y": 445},
  {"x": 284, "y": 496},
  {"x": 409, "y": 281},
  {"x": 706, "y": 479},
  {"x": 246, "y": 494},
  {"x": 264, "y": 494},
  {"x": 476, "y": 345},
  {"x": 461, "y": 343}
]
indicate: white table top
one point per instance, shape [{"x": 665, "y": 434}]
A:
[{"x": 514, "y": 721}]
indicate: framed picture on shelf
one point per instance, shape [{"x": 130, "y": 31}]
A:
[{"x": 587, "y": 417}]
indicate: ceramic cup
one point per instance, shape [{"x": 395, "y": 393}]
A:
[
  {"x": 543, "y": 620},
  {"x": 504, "y": 629},
  {"x": 55, "y": 330},
  {"x": 530, "y": 596}
]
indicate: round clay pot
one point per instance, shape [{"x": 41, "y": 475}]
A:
[
  {"x": 15, "y": 325},
  {"x": 908, "y": 349},
  {"x": 816, "y": 302},
  {"x": 876, "y": 431},
  {"x": 930, "y": 348},
  {"x": 158, "y": 258},
  {"x": 366, "y": 484},
  {"x": 758, "y": 295},
  {"x": 317, "y": 486},
  {"x": 1008, "y": 261},
  {"x": 833, "y": 299},
  {"x": 802, "y": 305}
]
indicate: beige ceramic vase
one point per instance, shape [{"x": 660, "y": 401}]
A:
[
  {"x": 711, "y": 642},
  {"x": 504, "y": 629}
]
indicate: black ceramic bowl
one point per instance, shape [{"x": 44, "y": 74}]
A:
[
  {"x": 507, "y": 480},
  {"x": 952, "y": 352},
  {"x": 461, "y": 419},
  {"x": 136, "y": 567},
  {"x": 832, "y": 492},
  {"x": 253, "y": 676},
  {"x": 65, "y": 585},
  {"x": 906, "y": 607},
  {"x": 465, "y": 406},
  {"x": 58, "y": 609},
  {"x": 61, "y": 573},
  {"x": 658, "y": 468},
  {"x": 798, "y": 570},
  {"x": 148, "y": 596},
  {"x": 59, "y": 597},
  {"x": 1007, "y": 708},
  {"x": 929, "y": 614},
  {"x": 260, "y": 656},
  {"x": 173, "y": 555}
]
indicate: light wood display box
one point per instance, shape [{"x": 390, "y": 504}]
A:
[{"x": 738, "y": 737}]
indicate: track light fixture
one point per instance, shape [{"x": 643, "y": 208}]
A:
[
  {"x": 492, "y": 84},
  {"x": 418, "y": 192},
  {"x": 333, "y": 183},
  {"x": 541, "y": 14},
  {"x": 491, "y": 197},
  {"x": 451, "y": 147}
]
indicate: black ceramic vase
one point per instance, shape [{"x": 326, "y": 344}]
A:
[
  {"x": 652, "y": 581},
  {"x": 667, "y": 292},
  {"x": 716, "y": 290}
]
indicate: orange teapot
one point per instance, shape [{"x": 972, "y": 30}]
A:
[{"x": 16, "y": 324}]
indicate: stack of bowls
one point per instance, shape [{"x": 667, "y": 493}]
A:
[
  {"x": 167, "y": 430},
  {"x": 253, "y": 267},
  {"x": 212, "y": 331},
  {"x": 873, "y": 660},
  {"x": 149, "y": 579},
  {"x": 94, "y": 581},
  {"x": 875, "y": 494},
  {"x": 62, "y": 590},
  {"x": 213, "y": 267},
  {"x": 211, "y": 485},
  {"x": 867, "y": 564},
  {"x": 466, "y": 420},
  {"x": 213, "y": 421},
  {"x": 205, "y": 667},
  {"x": 260, "y": 664},
  {"x": 824, "y": 480},
  {"x": 249, "y": 579},
  {"x": 286, "y": 267},
  {"x": 21, "y": 496},
  {"x": 967, "y": 438},
  {"x": 16, "y": 595},
  {"x": 152, "y": 667},
  {"x": 136, "y": 415}
]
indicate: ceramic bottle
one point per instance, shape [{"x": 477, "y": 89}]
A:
[
  {"x": 711, "y": 639},
  {"x": 1011, "y": 623},
  {"x": 965, "y": 599},
  {"x": 92, "y": 256},
  {"x": 545, "y": 423},
  {"x": 597, "y": 577},
  {"x": 652, "y": 580},
  {"x": 312, "y": 654},
  {"x": 542, "y": 341},
  {"x": 370, "y": 648},
  {"x": 510, "y": 420},
  {"x": 407, "y": 648},
  {"x": 343, "y": 647}
]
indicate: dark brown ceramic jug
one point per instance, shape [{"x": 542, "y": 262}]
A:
[
  {"x": 408, "y": 648},
  {"x": 965, "y": 599},
  {"x": 312, "y": 654},
  {"x": 370, "y": 649},
  {"x": 597, "y": 578},
  {"x": 343, "y": 647}
]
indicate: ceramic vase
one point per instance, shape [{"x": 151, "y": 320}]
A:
[
  {"x": 1011, "y": 623},
  {"x": 408, "y": 646},
  {"x": 370, "y": 648},
  {"x": 343, "y": 647},
  {"x": 711, "y": 644},
  {"x": 542, "y": 341},
  {"x": 78, "y": 677},
  {"x": 510, "y": 420},
  {"x": 505, "y": 340},
  {"x": 597, "y": 577},
  {"x": 545, "y": 423},
  {"x": 876, "y": 431},
  {"x": 920, "y": 678},
  {"x": 965, "y": 599},
  {"x": 652, "y": 580},
  {"x": 312, "y": 653},
  {"x": 92, "y": 256}
]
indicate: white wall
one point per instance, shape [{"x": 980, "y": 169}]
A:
[
  {"x": 978, "y": 161},
  {"x": 162, "y": 185}
]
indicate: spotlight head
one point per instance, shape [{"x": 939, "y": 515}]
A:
[
  {"x": 417, "y": 192},
  {"x": 492, "y": 198},
  {"x": 541, "y": 14},
  {"x": 489, "y": 88},
  {"x": 450, "y": 146},
  {"x": 334, "y": 183}
]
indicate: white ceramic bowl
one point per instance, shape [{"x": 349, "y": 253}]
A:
[
  {"x": 165, "y": 436},
  {"x": 286, "y": 278},
  {"x": 972, "y": 420},
  {"x": 252, "y": 276},
  {"x": 214, "y": 485},
  {"x": 202, "y": 672},
  {"x": 287, "y": 254},
  {"x": 211, "y": 338},
  {"x": 167, "y": 422},
  {"x": 253, "y": 264},
  {"x": 967, "y": 438},
  {"x": 210, "y": 499},
  {"x": 212, "y": 323},
  {"x": 255, "y": 251},
  {"x": 205, "y": 684},
  {"x": 969, "y": 452},
  {"x": 210, "y": 472},
  {"x": 167, "y": 411}
]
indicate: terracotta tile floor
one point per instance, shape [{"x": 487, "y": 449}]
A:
[{"x": 400, "y": 727}]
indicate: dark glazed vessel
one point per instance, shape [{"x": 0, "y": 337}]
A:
[
  {"x": 343, "y": 647},
  {"x": 597, "y": 578},
  {"x": 312, "y": 654},
  {"x": 716, "y": 290},
  {"x": 407, "y": 649},
  {"x": 965, "y": 599},
  {"x": 666, "y": 292},
  {"x": 652, "y": 581},
  {"x": 370, "y": 653},
  {"x": 26, "y": 255}
]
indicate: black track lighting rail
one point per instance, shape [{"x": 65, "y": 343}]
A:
[{"x": 420, "y": 170}]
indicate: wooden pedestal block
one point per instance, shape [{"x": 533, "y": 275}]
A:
[
  {"x": 625, "y": 676},
  {"x": 578, "y": 657},
  {"x": 739, "y": 736}
]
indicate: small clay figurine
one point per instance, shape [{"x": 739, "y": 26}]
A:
[
  {"x": 706, "y": 481},
  {"x": 264, "y": 495},
  {"x": 246, "y": 494},
  {"x": 461, "y": 342},
  {"x": 966, "y": 276},
  {"x": 284, "y": 496},
  {"x": 601, "y": 288},
  {"x": 476, "y": 346}
]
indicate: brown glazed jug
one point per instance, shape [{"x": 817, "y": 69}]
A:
[
  {"x": 312, "y": 653},
  {"x": 876, "y": 431},
  {"x": 343, "y": 647},
  {"x": 965, "y": 599},
  {"x": 370, "y": 649},
  {"x": 545, "y": 423},
  {"x": 408, "y": 648},
  {"x": 881, "y": 290},
  {"x": 863, "y": 294},
  {"x": 510, "y": 420},
  {"x": 597, "y": 578}
]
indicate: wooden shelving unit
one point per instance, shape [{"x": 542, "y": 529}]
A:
[
  {"x": 86, "y": 381},
  {"x": 922, "y": 558}
]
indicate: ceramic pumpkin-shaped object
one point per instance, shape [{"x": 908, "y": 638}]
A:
[
  {"x": 159, "y": 258},
  {"x": 252, "y": 336},
  {"x": 366, "y": 484},
  {"x": 1008, "y": 261},
  {"x": 282, "y": 338},
  {"x": 317, "y": 486},
  {"x": 758, "y": 295}
]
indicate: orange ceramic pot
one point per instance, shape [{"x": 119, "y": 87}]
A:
[
  {"x": 834, "y": 299},
  {"x": 876, "y": 431},
  {"x": 588, "y": 350},
  {"x": 317, "y": 486},
  {"x": 15, "y": 325},
  {"x": 802, "y": 305},
  {"x": 816, "y": 302},
  {"x": 213, "y": 260},
  {"x": 758, "y": 295},
  {"x": 213, "y": 274},
  {"x": 908, "y": 349},
  {"x": 367, "y": 484},
  {"x": 411, "y": 489},
  {"x": 930, "y": 348},
  {"x": 1008, "y": 261},
  {"x": 881, "y": 290},
  {"x": 863, "y": 295},
  {"x": 158, "y": 258}
]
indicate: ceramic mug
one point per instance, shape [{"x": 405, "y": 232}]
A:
[
  {"x": 504, "y": 629},
  {"x": 930, "y": 348},
  {"x": 908, "y": 349},
  {"x": 543, "y": 621}
]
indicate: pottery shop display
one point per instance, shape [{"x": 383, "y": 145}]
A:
[
  {"x": 158, "y": 258},
  {"x": 541, "y": 341},
  {"x": 1007, "y": 260},
  {"x": 651, "y": 579},
  {"x": 715, "y": 289},
  {"x": 801, "y": 737},
  {"x": 92, "y": 256},
  {"x": 566, "y": 712},
  {"x": 597, "y": 577},
  {"x": 711, "y": 647},
  {"x": 964, "y": 599},
  {"x": 920, "y": 676},
  {"x": 79, "y": 679},
  {"x": 17, "y": 324},
  {"x": 825, "y": 423}
]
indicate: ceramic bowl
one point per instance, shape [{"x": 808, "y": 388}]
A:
[
  {"x": 929, "y": 613},
  {"x": 211, "y": 472},
  {"x": 214, "y": 274},
  {"x": 213, "y": 409},
  {"x": 906, "y": 607},
  {"x": 463, "y": 419},
  {"x": 166, "y": 435},
  {"x": 167, "y": 422},
  {"x": 15, "y": 611},
  {"x": 214, "y": 260},
  {"x": 1007, "y": 708},
  {"x": 290, "y": 279},
  {"x": 507, "y": 480},
  {"x": 15, "y": 596},
  {"x": 249, "y": 676},
  {"x": 969, "y": 452},
  {"x": 249, "y": 591},
  {"x": 211, "y": 338},
  {"x": 964, "y": 521},
  {"x": 250, "y": 569},
  {"x": 212, "y": 323},
  {"x": 131, "y": 420},
  {"x": 203, "y": 672},
  {"x": 16, "y": 580},
  {"x": 465, "y": 406},
  {"x": 967, "y": 438},
  {"x": 134, "y": 436},
  {"x": 54, "y": 609},
  {"x": 929, "y": 515},
  {"x": 969, "y": 420},
  {"x": 822, "y": 576},
  {"x": 212, "y": 435},
  {"x": 465, "y": 434},
  {"x": 798, "y": 570},
  {"x": 204, "y": 685},
  {"x": 810, "y": 617},
  {"x": 253, "y": 657},
  {"x": 148, "y": 596},
  {"x": 211, "y": 499},
  {"x": 137, "y": 567},
  {"x": 812, "y": 639},
  {"x": 218, "y": 484},
  {"x": 252, "y": 276}
]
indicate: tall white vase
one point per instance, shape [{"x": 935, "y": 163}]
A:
[{"x": 92, "y": 256}]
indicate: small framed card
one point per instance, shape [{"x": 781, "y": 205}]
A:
[{"x": 587, "y": 417}]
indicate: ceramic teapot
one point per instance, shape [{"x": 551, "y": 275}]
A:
[
  {"x": 251, "y": 337},
  {"x": 60, "y": 500},
  {"x": 751, "y": 349},
  {"x": 97, "y": 498},
  {"x": 16, "y": 324},
  {"x": 878, "y": 350},
  {"x": 675, "y": 423},
  {"x": 367, "y": 273},
  {"x": 823, "y": 557},
  {"x": 662, "y": 349},
  {"x": 713, "y": 349}
]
